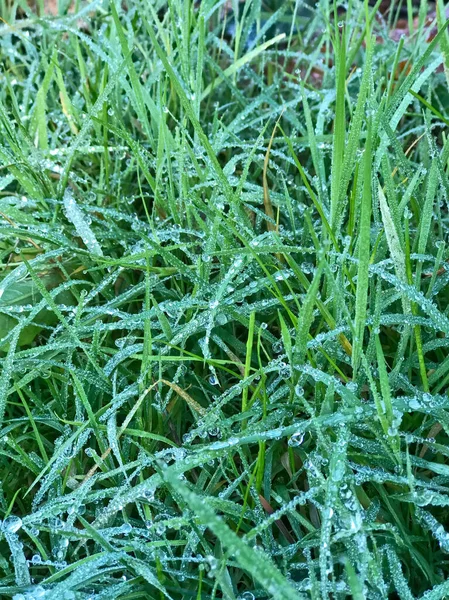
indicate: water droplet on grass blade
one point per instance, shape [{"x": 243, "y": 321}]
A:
[
  {"x": 296, "y": 439},
  {"x": 12, "y": 524}
]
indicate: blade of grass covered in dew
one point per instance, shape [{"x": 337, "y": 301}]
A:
[
  {"x": 309, "y": 189},
  {"x": 321, "y": 306},
  {"x": 135, "y": 565},
  {"x": 404, "y": 532},
  {"x": 21, "y": 457},
  {"x": 21, "y": 565},
  {"x": 427, "y": 104},
  {"x": 409, "y": 191},
  {"x": 424, "y": 232},
  {"x": 60, "y": 573},
  {"x": 8, "y": 364},
  {"x": 258, "y": 565},
  {"x": 423, "y": 12},
  {"x": 438, "y": 592},
  {"x": 24, "y": 174},
  {"x": 317, "y": 157},
  {"x": 164, "y": 150},
  {"x": 353, "y": 198},
  {"x": 250, "y": 158},
  {"x": 425, "y": 218},
  {"x": 70, "y": 330},
  {"x": 439, "y": 156},
  {"x": 145, "y": 366},
  {"x": 392, "y": 81},
  {"x": 414, "y": 309},
  {"x": 221, "y": 177},
  {"x": 183, "y": 10},
  {"x": 238, "y": 64},
  {"x": 352, "y": 145},
  {"x": 38, "y": 123},
  {"x": 249, "y": 351},
  {"x": 337, "y": 468},
  {"x": 90, "y": 414},
  {"x": 364, "y": 243},
  {"x": 195, "y": 407},
  {"x": 289, "y": 204},
  {"x": 392, "y": 433},
  {"x": 57, "y": 454},
  {"x": 83, "y": 70},
  {"x": 274, "y": 289},
  {"x": 414, "y": 80},
  {"x": 436, "y": 268},
  {"x": 66, "y": 104},
  {"x": 359, "y": 38},
  {"x": 15, "y": 109},
  {"x": 37, "y": 435},
  {"x": 380, "y": 407},
  {"x": 318, "y": 246},
  {"x": 262, "y": 445},
  {"x": 394, "y": 245},
  {"x": 200, "y": 63},
  {"x": 411, "y": 27},
  {"x": 355, "y": 585},
  {"x": 134, "y": 78},
  {"x": 389, "y": 189},
  {"x": 163, "y": 321},
  {"x": 84, "y": 132},
  {"x": 105, "y": 168},
  {"x": 292, "y": 28},
  {"x": 323, "y": 310},
  {"x": 266, "y": 192},
  {"x": 444, "y": 43},
  {"x": 286, "y": 338},
  {"x": 128, "y": 431},
  {"x": 305, "y": 318},
  {"x": 136, "y": 148},
  {"x": 339, "y": 137},
  {"x": 400, "y": 581}
]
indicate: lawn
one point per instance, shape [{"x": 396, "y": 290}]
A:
[{"x": 224, "y": 300}]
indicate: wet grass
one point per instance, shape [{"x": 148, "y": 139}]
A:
[{"x": 223, "y": 302}]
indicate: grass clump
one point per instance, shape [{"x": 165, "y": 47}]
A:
[{"x": 223, "y": 301}]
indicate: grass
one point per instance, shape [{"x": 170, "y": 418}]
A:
[{"x": 223, "y": 301}]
